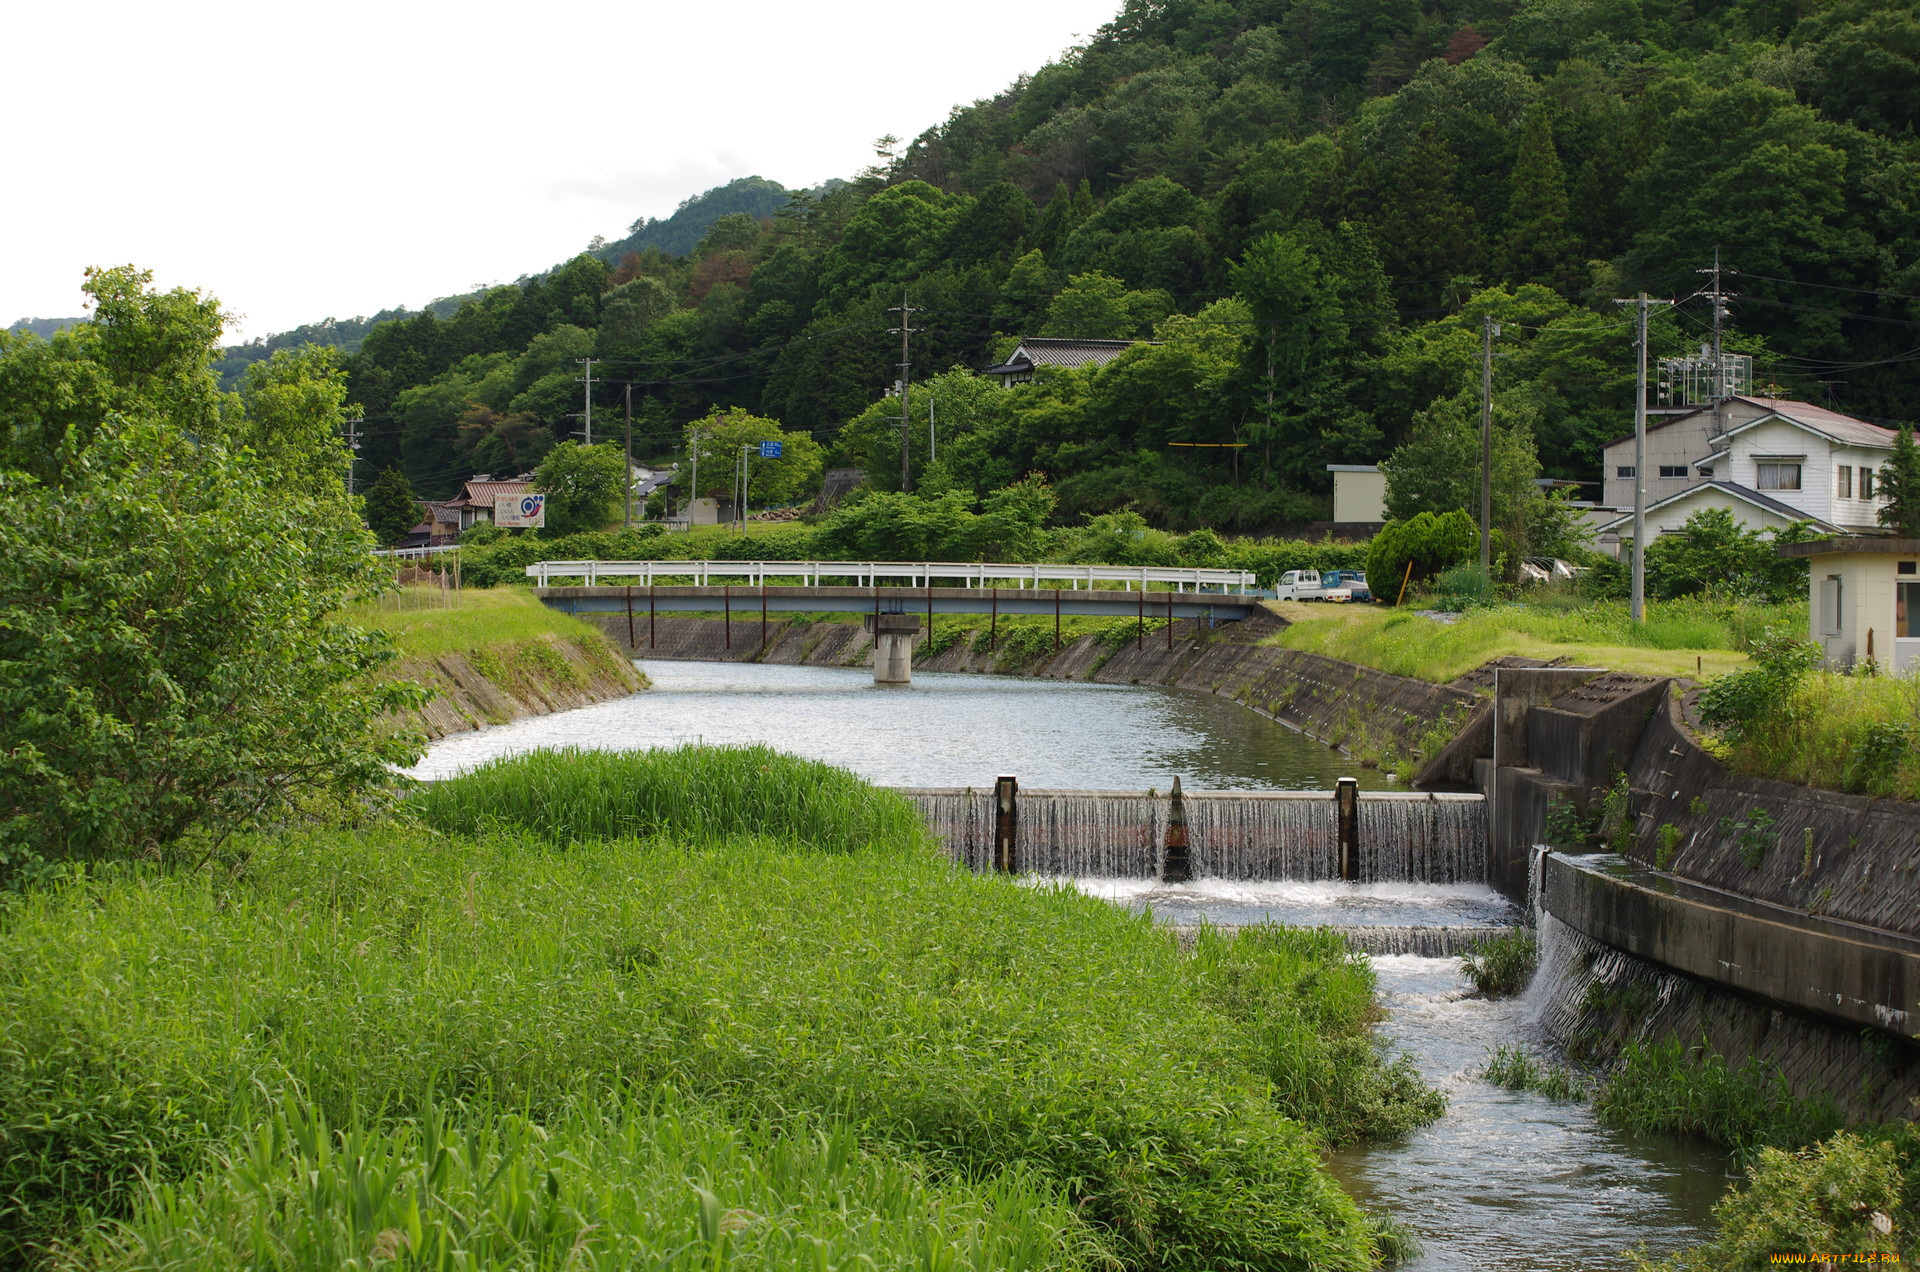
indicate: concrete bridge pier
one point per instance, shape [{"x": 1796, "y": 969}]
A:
[{"x": 893, "y": 647}]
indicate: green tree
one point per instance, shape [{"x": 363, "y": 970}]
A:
[
  {"x": 172, "y": 658},
  {"x": 1438, "y": 468},
  {"x": 1537, "y": 246},
  {"x": 1096, "y": 306},
  {"x": 1418, "y": 549},
  {"x": 1900, "y": 487},
  {"x": 583, "y": 486},
  {"x": 390, "y": 508},
  {"x": 721, "y": 438}
]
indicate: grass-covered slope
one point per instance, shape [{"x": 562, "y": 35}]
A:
[
  {"x": 1054, "y": 1075},
  {"x": 494, "y": 654}
]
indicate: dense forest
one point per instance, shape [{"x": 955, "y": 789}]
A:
[{"x": 1308, "y": 206}]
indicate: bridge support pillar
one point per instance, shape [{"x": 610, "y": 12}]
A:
[{"x": 893, "y": 647}]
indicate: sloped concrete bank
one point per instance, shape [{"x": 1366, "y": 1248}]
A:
[
  {"x": 1392, "y": 721},
  {"x": 475, "y": 688}
]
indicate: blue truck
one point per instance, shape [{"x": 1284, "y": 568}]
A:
[{"x": 1355, "y": 581}]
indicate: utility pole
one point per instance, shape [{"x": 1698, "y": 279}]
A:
[
  {"x": 693, "y": 482},
  {"x": 627, "y": 518},
  {"x": 1488, "y": 330},
  {"x": 905, "y": 331},
  {"x": 1638, "y": 604},
  {"x": 930, "y": 450},
  {"x": 587, "y": 380},
  {"x": 353, "y": 450},
  {"x": 1719, "y": 296}
]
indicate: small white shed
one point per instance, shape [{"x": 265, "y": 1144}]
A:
[
  {"x": 1359, "y": 492},
  {"x": 1864, "y": 596}
]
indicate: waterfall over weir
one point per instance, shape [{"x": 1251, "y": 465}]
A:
[{"x": 1414, "y": 837}]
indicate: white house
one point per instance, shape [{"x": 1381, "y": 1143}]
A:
[
  {"x": 1865, "y": 599},
  {"x": 1770, "y": 462}
]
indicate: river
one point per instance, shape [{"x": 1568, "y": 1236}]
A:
[{"x": 1506, "y": 1180}]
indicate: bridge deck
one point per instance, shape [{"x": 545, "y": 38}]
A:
[{"x": 1220, "y": 606}]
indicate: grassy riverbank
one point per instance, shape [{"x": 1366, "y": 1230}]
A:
[
  {"x": 754, "y": 1031},
  {"x": 489, "y": 655},
  {"x": 1679, "y": 638}
]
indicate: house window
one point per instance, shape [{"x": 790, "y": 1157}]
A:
[
  {"x": 1624, "y": 470},
  {"x": 1830, "y": 605},
  {"x": 1906, "y": 610},
  {"x": 1866, "y": 483},
  {"x": 1705, "y": 470},
  {"x": 1843, "y": 482},
  {"x": 1778, "y": 475},
  {"x": 1673, "y": 470}
]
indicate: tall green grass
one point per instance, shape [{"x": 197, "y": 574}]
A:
[
  {"x": 660, "y": 1183},
  {"x": 1819, "y": 739},
  {"x": 966, "y": 1026},
  {"x": 1667, "y": 1086},
  {"x": 697, "y": 792},
  {"x": 477, "y": 619}
]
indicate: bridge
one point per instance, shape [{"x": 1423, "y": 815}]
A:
[
  {"x": 894, "y": 593},
  {"x": 894, "y": 587}
]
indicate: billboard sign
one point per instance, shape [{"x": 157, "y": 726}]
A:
[{"x": 518, "y": 512}]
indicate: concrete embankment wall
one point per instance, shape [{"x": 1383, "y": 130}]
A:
[
  {"x": 491, "y": 685},
  {"x": 1843, "y": 856},
  {"x": 1381, "y": 718}
]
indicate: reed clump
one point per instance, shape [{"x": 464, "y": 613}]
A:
[
  {"x": 695, "y": 792},
  {"x": 1043, "y": 1066},
  {"x": 1501, "y": 965}
]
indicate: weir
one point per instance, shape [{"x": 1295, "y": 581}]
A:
[{"x": 1413, "y": 837}]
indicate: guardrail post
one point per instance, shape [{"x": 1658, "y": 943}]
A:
[
  {"x": 1346, "y": 800},
  {"x": 1006, "y": 824}
]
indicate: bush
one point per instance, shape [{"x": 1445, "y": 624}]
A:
[
  {"x": 1501, "y": 965},
  {"x": 1740, "y": 699},
  {"x": 1426, "y": 543},
  {"x": 696, "y": 792},
  {"x": 171, "y": 655}
]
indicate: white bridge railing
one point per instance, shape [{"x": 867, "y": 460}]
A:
[{"x": 913, "y": 573}]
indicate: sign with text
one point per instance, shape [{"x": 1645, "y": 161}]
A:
[
  {"x": 518, "y": 512},
  {"x": 770, "y": 450}
]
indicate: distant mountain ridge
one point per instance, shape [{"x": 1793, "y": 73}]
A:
[
  {"x": 43, "y": 327},
  {"x": 680, "y": 233}
]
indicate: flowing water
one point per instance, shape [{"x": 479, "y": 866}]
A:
[
  {"x": 1505, "y": 1180},
  {"x": 945, "y": 729}
]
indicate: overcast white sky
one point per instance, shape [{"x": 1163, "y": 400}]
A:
[{"x": 307, "y": 161}]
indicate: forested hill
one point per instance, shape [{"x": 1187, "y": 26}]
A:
[
  {"x": 680, "y": 233},
  {"x": 1312, "y": 204}
]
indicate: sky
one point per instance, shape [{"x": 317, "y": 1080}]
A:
[{"x": 310, "y": 161}]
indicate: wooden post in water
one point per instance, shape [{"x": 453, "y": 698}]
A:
[
  {"x": 652, "y": 612},
  {"x": 1056, "y": 620},
  {"x": 727, "y": 600},
  {"x": 1140, "y": 622},
  {"x": 1169, "y": 620},
  {"x": 1006, "y": 824},
  {"x": 1177, "y": 865},
  {"x": 1346, "y": 802},
  {"x": 632, "y": 643},
  {"x": 993, "y": 623}
]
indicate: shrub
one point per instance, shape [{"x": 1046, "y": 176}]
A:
[
  {"x": 1668, "y": 1087},
  {"x": 692, "y": 791},
  {"x": 1883, "y": 747},
  {"x": 1740, "y": 699},
  {"x": 1501, "y": 965},
  {"x": 1427, "y": 543},
  {"x": 172, "y": 657}
]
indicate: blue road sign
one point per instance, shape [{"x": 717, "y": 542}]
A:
[{"x": 770, "y": 450}]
